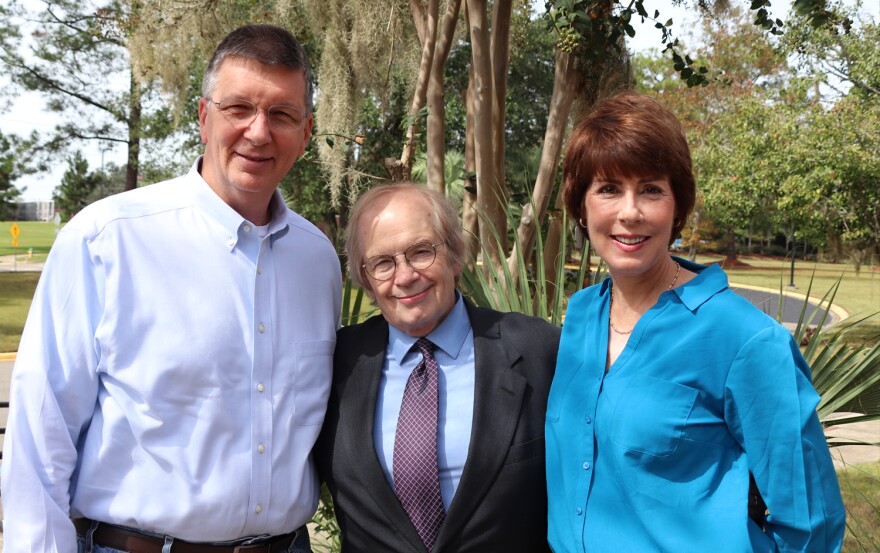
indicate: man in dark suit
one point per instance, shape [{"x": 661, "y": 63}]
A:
[{"x": 434, "y": 434}]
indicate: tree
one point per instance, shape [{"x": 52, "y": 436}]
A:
[
  {"x": 835, "y": 185},
  {"x": 11, "y": 168},
  {"x": 839, "y": 180},
  {"x": 77, "y": 185},
  {"x": 77, "y": 58},
  {"x": 841, "y": 55}
]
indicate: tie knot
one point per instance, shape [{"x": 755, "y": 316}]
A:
[{"x": 426, "y": 347}]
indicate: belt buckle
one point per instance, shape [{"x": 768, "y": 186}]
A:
[{"x": 240, "y": 548}]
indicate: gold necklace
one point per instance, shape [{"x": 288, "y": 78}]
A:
[{"x": 611, "y": 302}]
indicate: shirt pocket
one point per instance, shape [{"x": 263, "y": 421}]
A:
[
  {"x": 650, "y": 416},
  {"x": 559, "y": 387},
  {"x": 313, "y": 372}
]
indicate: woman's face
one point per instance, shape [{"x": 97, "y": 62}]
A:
[{"x": 630, "y": 222}]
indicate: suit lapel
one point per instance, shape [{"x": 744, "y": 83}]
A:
[
  {"x": 357, "y": 408},
  {"x": 498, "y": 396}
]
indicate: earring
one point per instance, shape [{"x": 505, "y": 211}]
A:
[{"x": 582, "y": 223}]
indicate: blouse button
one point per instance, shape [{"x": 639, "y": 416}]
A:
[
  {"x": 579, "y": 511},
  {"x": 586, "y": 465},
  {"x": 588, "y": 419}
]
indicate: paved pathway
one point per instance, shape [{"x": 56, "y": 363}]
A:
[
  {"x": 20, "y": 263},
  {"x": 767, "y": 300}
]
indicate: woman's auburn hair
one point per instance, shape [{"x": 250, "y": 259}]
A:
[{"x": 626, "y": 136}]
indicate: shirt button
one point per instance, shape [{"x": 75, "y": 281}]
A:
[
  {"x": 588, "y": 419},
  {"x": 259, "y": 508},
  {"x": 260, "y": 388},
  {"x": 259, "y": 270},
  {"x": 261, "y": 328},
  {"x": 230, "y": 243},
  {"x": 247, "y": 228},
  {"x": 586, "y": 465},
  {"x": 579, "y": 511},
  {"x": 261, "y": 448}
]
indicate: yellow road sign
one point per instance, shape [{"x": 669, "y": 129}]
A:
[
  {"x": 14, "y": 243},
  {"x": 14, "y": 231}
]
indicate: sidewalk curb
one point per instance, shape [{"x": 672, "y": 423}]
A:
[{"x": 7, "y": 356}]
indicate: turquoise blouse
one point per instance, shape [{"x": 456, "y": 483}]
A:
[{"x": 655, "y": 454}]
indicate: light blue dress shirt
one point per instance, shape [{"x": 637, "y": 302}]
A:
[
  {"x": 655, "y": 454},
  {"x": 173, "y": 373},
  {"x": 454, "y": 339}
]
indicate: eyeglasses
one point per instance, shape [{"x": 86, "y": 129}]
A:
[
  {"x": 240, "y": 113},
  {"x": 420, "y": 255}
]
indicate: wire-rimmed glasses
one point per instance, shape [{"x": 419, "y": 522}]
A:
[
  {"x": 240, "y": 113},
  {"x": 420, "y": 255}
]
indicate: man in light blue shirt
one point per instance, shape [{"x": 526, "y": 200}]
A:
[
  {"x": 479, "y": 478},
  {"x": 173, "y": 374}
]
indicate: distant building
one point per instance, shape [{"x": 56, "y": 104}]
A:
[{"x": 35, "y": 211}]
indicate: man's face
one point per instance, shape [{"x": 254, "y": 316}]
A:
[
  {"x": 244, "y": 162},
  {"x": 413, "y": 301}
]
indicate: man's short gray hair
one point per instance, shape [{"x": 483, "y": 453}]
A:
[{"x": 267, "y": 44}]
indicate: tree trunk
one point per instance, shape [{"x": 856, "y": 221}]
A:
[
  {"x": 835, "y": 245},
  {"x": 564, "y": 92},
  {"x": 749, "y": 239},
  {"x": 470, "y": 221},
  {"x": 134, "y": 134},
  {"x": 500, "y": 47},
  {"x": 552, "y": 251},
  {"x": 420, "y": 94},
  {"x": 730, "y": 249},
  {"x": 436, "y": 135},
  {"x": 695, "y": 234},
  {"x": 489, "y": 196},
  {"x": 418, "y": 12}
]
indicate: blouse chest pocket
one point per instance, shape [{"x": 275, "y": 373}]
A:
[
  {"x": 559, "y": 388},
  {"x": 649, "y": 415}
]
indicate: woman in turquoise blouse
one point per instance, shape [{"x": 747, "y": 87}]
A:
[{"x": 670, "y": 389}]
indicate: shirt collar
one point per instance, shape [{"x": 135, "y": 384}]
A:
[
  {"x": 709, "y": 281},
  {"x": 230, "y": 220},
  {"x": 449, "y": 336}
]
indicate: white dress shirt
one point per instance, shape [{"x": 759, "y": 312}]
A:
[{"x": 173, "y": 373}]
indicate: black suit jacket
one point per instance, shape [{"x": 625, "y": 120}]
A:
[{"x": 501, "y": 501}]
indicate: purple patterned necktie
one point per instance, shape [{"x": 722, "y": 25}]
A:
[{"x": 416, "y": 477}]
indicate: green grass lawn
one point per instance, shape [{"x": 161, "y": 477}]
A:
[
  {"x": 860, "y": 487},
  {"x": 35, "y": 235},
  {"x": 15, "y": 300}
]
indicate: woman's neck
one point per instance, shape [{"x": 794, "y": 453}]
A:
[{"x": 638, "y": 293}]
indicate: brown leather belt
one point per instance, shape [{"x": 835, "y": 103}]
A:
[{"x": 124, "y": 539}]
